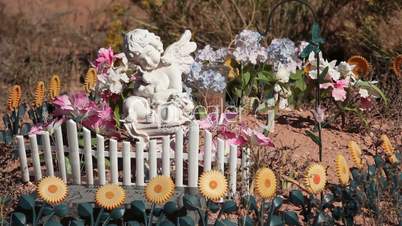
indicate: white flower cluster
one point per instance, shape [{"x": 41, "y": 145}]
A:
[
  {"x": 113, "y": 77},
  {"x": 248, "y": 48}
]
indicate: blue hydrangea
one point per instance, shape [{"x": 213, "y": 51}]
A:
[
  {"x": 282, "y": 51},
  {"x": 209, "y": 55},
  {"x": 207, "y": 79},
  {"x": 248, "y": 48}
]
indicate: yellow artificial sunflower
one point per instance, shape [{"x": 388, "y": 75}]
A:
[
  {"x": 52, "y": 190},
  {"x": 393, "y": 159},
  {"x": 362, "y": 67},
  {"x": 39, "y": 97},
  {"x": 356, "y": 154},
  {"x": 316, "y": 178},
  {"x": 386, "y": 145},
  {"x": 110, "y": 196},
  {"x": 232, "y": 73},
  {"x": 396, "y": 65},
  {"x": 54, "y": 86},
  {"x": 342, "y": 170},
  {"x": 213, "y": 185},
  {"x": 90, "y": 80},
  {"x": 159, "y": 189},
  {"x": 14, "y": 98},
  {"x": 265, "y": 183}
]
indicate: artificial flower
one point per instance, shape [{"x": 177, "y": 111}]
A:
[
  {"x": 283, "y": 74},
  {"x": 265, "y": 183},
  {"x": 54, "y": 86},
  {"x": 342, "y": 170},
  {"x": 213, "y": 185},
  {"x": 316, "y": 178},
  {"x": 52, "y": 190},
  {"x": 110, "y": 196},
  {"x": 338, "y": 89},
  {"x": 105, "y": 56},
  {"x": 159, "y": 189},
  {"x": 356, "y": 154},
  {"x": 387, "y": 145}
]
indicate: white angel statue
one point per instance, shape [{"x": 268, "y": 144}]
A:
[{"x": 159, "y": 97}]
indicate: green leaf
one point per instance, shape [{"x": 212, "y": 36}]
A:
[
  {"x": 138, "y": 206},
  {"x": 18, "y": 218},
  {"x": 321, "y": 218},
  {"x": 373, "y": 88},
  {"x": 249, "y": 202},
  {"x": 52, "y": 223},
  {"x": 25, "y": 128},
  {"x": 246, "y": 221},
  {"x": 237, "y": 92},
  {"x": 323, "y": 74},
  {"x": 297, "y": 198},
  {"x": 212, "y": 206},
  {"x": 85, "y": 210},
  {"x": 27, "y": 202},
  {"x": 301, "y": 84},
  {"x": 224, "y": 223},
  {"x": 229, "y": 206},
  {"x": 117, "y": 213},
  {"x": 276, "y": 221},
  {"x": 291, "y": 218},
  {"x": 277, "y": 202},
  {"x": 327, "y": 200},
  {"x": 306, "y": 51},
  {"x": 313, "y": 137},
  {"x": 371, "y": 170},
  {"x": 246, "y": 79},
  {"x": 61, "y": 210},
  {"x": 69, "y": 170},
  {"x": 379, "y": 162},
  {"x": 21, "y": 111},
  {"x": 191, "y": 202},
  {"x": 117, "y": 115},
  {"x": 315, "y": 34},
  {"x": 170, "y": 207},
  {"x": 77, "y": 222},
  {"x": 186, "y": 221},
  {"x": 133, "y": 223},
  {"x": 166, "y": 223}
]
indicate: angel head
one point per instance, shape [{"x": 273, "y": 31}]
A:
[{"x": 143, "y": 48}]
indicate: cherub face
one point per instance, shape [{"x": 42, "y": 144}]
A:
[{"x": 150, "y": 58}]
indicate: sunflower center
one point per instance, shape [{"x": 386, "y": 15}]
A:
[
  {"x": 316, "y": 179},
  {"x": 109, "y": 195},
  {"x": 267, "y": 183},
  {"x": 213, "y": 184},
  {"x": 52, "y": 188},
  {"x": 158, "y": 188}
]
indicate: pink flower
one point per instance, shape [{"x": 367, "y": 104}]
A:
[
  {"x": 338, "y": 89},
  {"x": 36, "y": 129},
  {"x": 105, "y": 57},
  {"x": 63, "y": 102},
  {"x": 81, "y": 102},
  {"x": 262, "y": 140}
]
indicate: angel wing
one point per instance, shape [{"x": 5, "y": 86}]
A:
[{"x": 180, "y": 52}]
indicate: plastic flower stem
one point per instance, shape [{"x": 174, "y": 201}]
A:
[
  {"x": 261, "y": 217},
  {"x": 49, "y": 217},
  {"x": 202, "y": 218},
  {"x": 99, "y": 216},
  {"x": 150, "y": 214},
  {"x": 318, "y": 105},
  {"x": 36, "y": 220}
]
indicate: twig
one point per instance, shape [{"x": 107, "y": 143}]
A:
[{"x": 293, "y": 181}]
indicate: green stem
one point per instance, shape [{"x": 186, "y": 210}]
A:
[
  {"x": 150, "y": 215},
  {"x": 261, "y": 217},
  {"x": 36, "y": 219},
  {"x": 99, "y": 217},
  {"x": 50, "y": 217},
  {"x": 202, "y": 218}
]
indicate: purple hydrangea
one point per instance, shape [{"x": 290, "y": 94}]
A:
[
  {"x": 281, "y": 51},
  {"x": 208, "y": 54}
]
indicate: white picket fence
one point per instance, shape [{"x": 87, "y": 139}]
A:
[{"x": 169, "y": 159}]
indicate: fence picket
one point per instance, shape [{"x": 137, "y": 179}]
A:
[
  {"x": 152, "y": 159},
  {"x": 88, "y": 156},
  {"x": 193, "y": 155},
  {"x": 101, "y": 158},
  {"x": 126, "y": 163},
  {"x": 60, "y": 153},
  {"x": 48, "y": 153},
  {"x": 23, "y": 158},
  {"x": 139, "y": 163},
  {"x": 232, "y": 169},
  {"x": 221, "y": 155},
  {"x": 166, "y": 156},
  {"x": 179, "y": 158},
  {"x": 208, "y": 151},
  {"x": 35, "y": 157},
  {"x": 72, "y": 138},
  {"x": 113, "y": 161}
]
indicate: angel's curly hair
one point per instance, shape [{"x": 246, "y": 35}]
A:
[{"x": 138, "y": 40}]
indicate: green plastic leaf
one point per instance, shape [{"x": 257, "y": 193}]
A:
[
  {"x": 249, "y": 202},
  {"x": 291, "y": 218},
  {"x": 323, "y": 74},
  {"x": 8, "y": 136},
  {"x": 138, "y": 206},
  {"x": 85, "y": 210},
  {"x": 157, "y": 211},
  {"x": 246, "y": 221},
  {"x": 373, "y": 88},
  {"x": 18, "y": 219},
  {"x": 301, "y": 84},
  {"x": 133, "y": 223},
  {"x": 276, "y": 221},
  {"x": 166, "y": 222},
  {"x": 306, "y": 51},
  {"x": 246, "y": 79},
  {"x": 224, "y": 223},
  {"x": 170, "y": 208},
  {"x": 69, "y": 170},
  {"x": 297, "y": 197},
  {"x": 379, "y": 162},
  {"x": 321, "y": 218},
  {"x": 21, "y": 111},
  {"x": 77, "y": 222},
  {"x": 277, "y": 202},
  {"x": 371, "y": 170},
  {"x": 191, "y": 202},
  {"x": 212, "y": 206},
  {"x": 25, "y": 128},
  {"x": 337, "y": 213},
  {"x": 327, "y": 200},
  {"x": 186, "y": 221},
  {"x": 52, "y": 223},
  {"x": 117, "y": 115},
  {"x": 61, "y": 210},
  {"x": 229, "y": 206},
  {"x": 315, "y": 34},
  {"x": 27, "y": 202},
  {"x": 117, "y": 213},
  {"x": 313, "y": 137}
]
